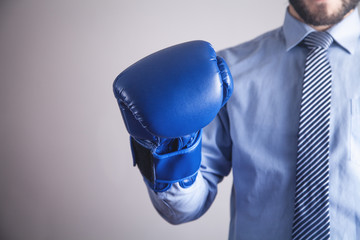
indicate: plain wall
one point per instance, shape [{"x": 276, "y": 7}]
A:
[{"x": 65, "y": 163}]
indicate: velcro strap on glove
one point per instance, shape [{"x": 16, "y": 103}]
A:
[{"x": 161, "y": 170}]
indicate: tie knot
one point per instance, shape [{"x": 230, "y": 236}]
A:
[{"x": 318, "y": 39}]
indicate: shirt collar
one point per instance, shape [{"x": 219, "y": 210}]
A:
[{"x": 346, "y": 33}]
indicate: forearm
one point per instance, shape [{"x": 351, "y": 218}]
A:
[{"x": 179, "y": 205}]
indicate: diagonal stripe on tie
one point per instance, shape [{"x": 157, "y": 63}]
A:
[{"x": 311, "y": 210}]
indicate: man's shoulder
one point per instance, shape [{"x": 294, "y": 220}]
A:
[{"x": 270, "y": 42}]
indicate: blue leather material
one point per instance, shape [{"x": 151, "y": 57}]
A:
[
  {"x": 173, "y": 92},
  {"x": 176, "y": 166},
  {"x": 158, "y": 186},
  {"x": 133, "y": 126},
  {"x": 162, "y": 170},
  {"x": 165, "y": 100},
  {"x": 188, "y": 181},
  {"x": 226, "y": 77},
  {"x": 162, "y": 187},
  {"x": 168, "y": 167}
]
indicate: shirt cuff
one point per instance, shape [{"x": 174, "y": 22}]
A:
[{"x": 178, "y": 205}]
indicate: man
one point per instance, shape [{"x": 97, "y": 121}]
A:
[{"x": 256, "y": 133}]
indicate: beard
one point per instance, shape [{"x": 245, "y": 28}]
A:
[{"x": 321, "y": 17}]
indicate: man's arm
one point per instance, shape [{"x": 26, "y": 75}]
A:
[{"x": 178, "y": 204}]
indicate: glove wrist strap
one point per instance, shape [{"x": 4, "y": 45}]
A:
[{"x": 162, "y": 170}]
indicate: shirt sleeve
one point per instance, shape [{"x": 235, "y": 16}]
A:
[{"x": 178, "y": 205}]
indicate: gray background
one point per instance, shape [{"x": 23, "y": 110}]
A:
[{"x": 65, "y": 165}]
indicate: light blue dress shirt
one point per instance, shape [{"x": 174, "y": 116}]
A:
[{"x": 255, "y": 135}]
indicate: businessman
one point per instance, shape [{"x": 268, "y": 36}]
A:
[{"x": 290, "y": 131}]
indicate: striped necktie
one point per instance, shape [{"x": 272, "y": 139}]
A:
[{"x": 311, "y": 216}]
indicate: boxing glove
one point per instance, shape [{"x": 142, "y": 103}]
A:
[{"x": 165, "y": 100}]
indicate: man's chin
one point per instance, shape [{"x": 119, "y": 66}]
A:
[{"x": 320, "y": 15}]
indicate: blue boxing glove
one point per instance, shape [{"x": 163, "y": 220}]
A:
[{"x": 165, "y": 100}]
